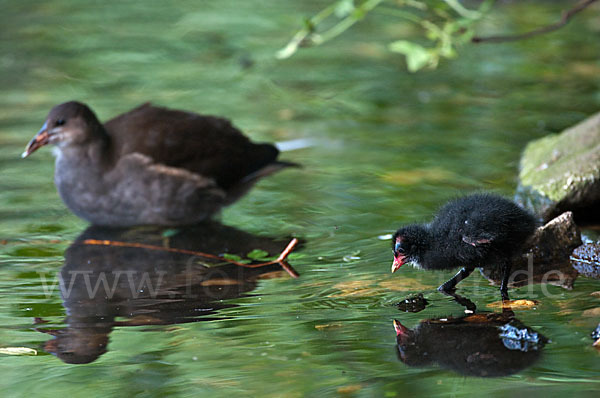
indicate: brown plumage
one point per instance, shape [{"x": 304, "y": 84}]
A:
[{"x": 151, "y": 165}]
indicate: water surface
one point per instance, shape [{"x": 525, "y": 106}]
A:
[{"x": 388, "y": 148}]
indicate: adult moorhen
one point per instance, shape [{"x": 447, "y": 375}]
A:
[
  {"x": 151, "y": 165},
  {"x": 479, "y": 230}
]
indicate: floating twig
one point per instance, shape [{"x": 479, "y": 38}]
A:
[{"x": 280, "y": 260}]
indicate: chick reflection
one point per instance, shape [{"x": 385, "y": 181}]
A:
[
  {"x": 104, "y": 286},
  {"x": 483, "y": 345}
]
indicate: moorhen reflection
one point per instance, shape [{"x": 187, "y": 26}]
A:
[
  {"x": 479, "y": 230},
  {"x": 482, "y": 345},
  {"x": 151, "y": 165},
  {"x": 116, "y": 285}
]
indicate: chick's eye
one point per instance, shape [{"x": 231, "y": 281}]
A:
[
  {"x": 398, "y": 248},
  {"x": 60, "y": 122}
]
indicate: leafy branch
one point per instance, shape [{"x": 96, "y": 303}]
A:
[
  {"x": 564, "y": 19},
  {"x": 446, "y": 24}
]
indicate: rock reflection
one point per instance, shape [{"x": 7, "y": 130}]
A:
[
  {"x": 110, "y": 285},
  {"x": 482, "y": 345}
]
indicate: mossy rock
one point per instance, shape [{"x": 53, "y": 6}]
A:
[{"x": 561, "y": 172}]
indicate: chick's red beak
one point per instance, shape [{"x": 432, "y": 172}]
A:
[
  {"x": 398, "y": 262},
  {"x": 400, "y": 328},
  {"x": 41, "y": 138}
]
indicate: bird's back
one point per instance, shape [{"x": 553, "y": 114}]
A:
[
  {"x": 479, "y": 225},
  {"x": 206, "y": 145}
]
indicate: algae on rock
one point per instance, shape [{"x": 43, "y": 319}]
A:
[{"x": 561, "y": 172}]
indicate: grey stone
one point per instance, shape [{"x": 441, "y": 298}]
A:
[
  {"x": 561, "y": 172},
  {"x": 547, "y": 256}
]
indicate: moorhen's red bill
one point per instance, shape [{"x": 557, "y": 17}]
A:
[
  {"x": 151, "y": 165},
  {"x": 479, "y": 230}
]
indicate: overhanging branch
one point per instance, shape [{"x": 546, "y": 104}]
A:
[{"x": 565, "y": 18}]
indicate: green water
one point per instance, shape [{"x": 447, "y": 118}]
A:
[{"x": 388, "y": 147}]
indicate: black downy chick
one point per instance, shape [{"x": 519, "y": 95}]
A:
[{"x": 478, "y": 230}]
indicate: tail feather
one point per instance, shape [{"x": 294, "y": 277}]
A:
[
  {"x": 268, "y": 170},
  {"x": 292, "y": 145},
  {"x": 239, "y": 189}
]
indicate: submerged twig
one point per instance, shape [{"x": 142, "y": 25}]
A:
[{"x": 280, "y": 260}]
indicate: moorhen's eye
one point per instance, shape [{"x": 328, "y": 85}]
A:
[{"x": 60, "y": 122}]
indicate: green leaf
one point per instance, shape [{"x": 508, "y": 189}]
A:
[
  {"x": 343, "y": 8},
  {"x": 232, "y": 257},
  {"x": 167, "y": 233},
  {"x": 417, "y": 56},
  {"x": 257, "y": 254},
  {"x": 462, "y": 11}
]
